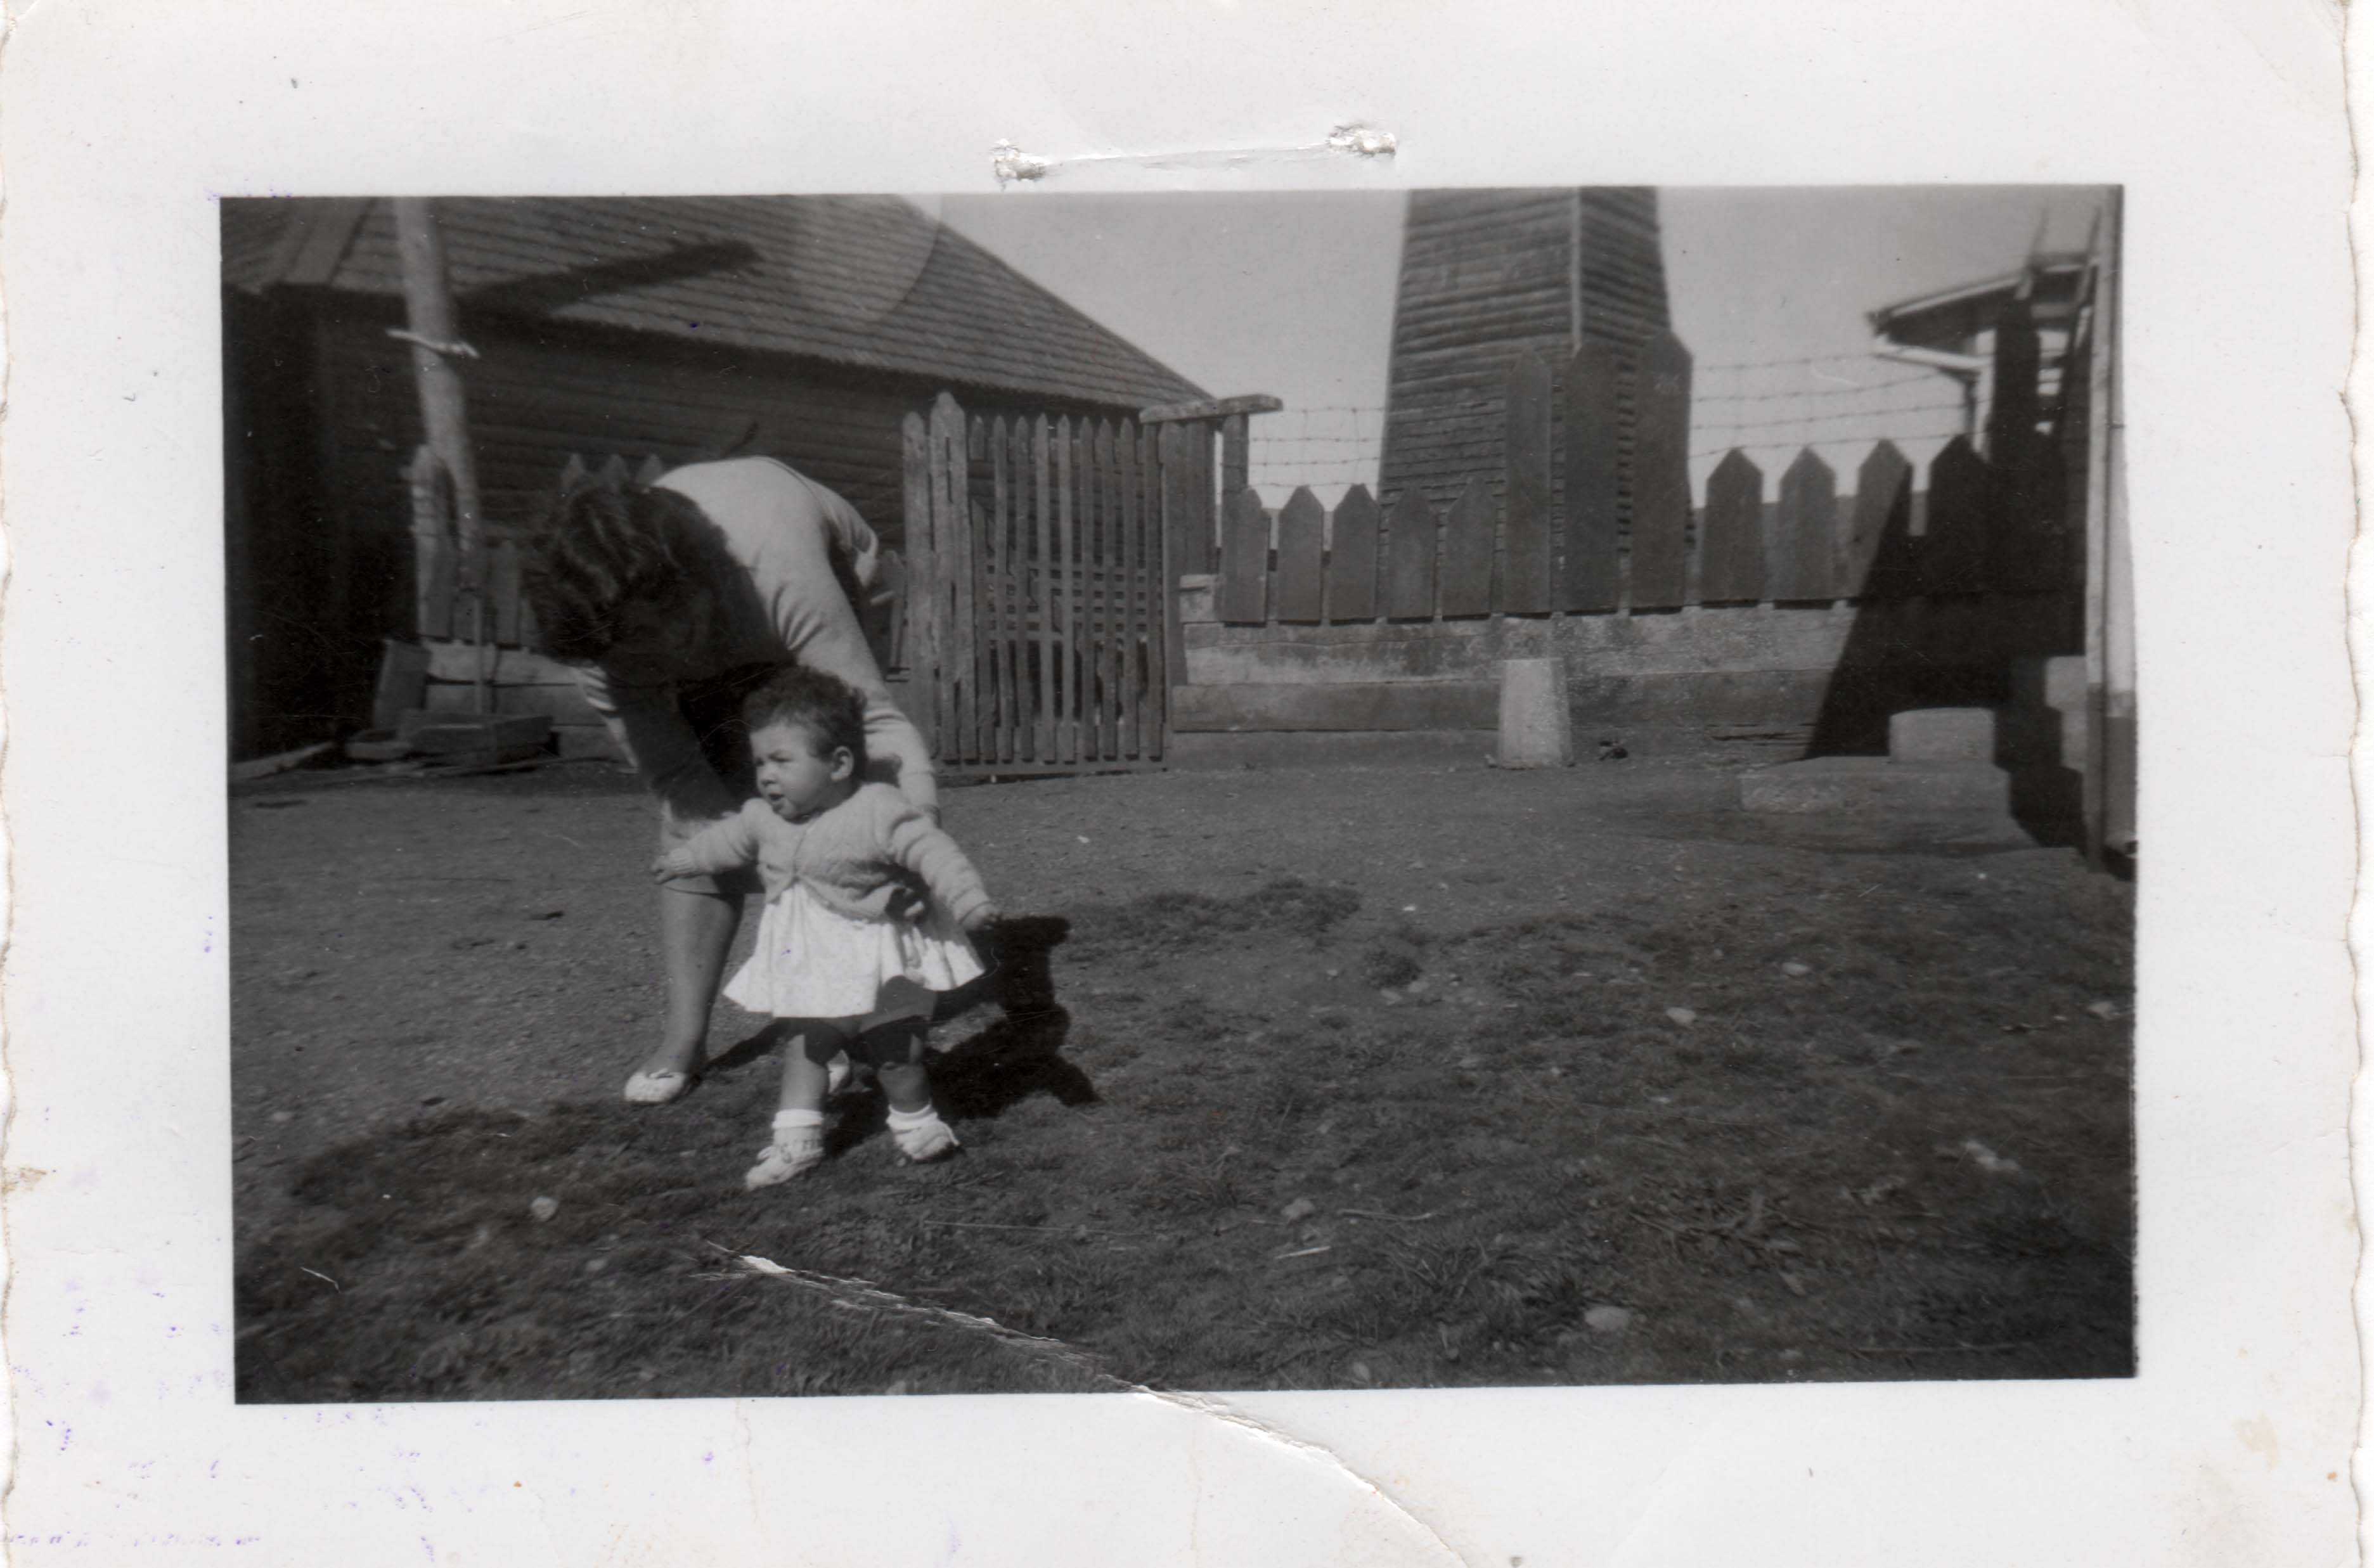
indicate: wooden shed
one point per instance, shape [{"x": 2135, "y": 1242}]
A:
[
  {"x": 798, "y": 327},
  {"x": 1487, "y": 276}
]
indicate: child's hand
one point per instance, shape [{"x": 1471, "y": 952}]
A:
[
  {"x": 670, "y": 865},
  {"x": 981, "y": 919}
]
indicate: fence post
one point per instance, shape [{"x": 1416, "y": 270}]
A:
[
  {"x": 1954, "y": 553},
  {"x": 1525, "y": 585},
  {"x": 1161, "y": 603},
  {"x": 1880, "y": 552},
  {"x": 1129, "y": 666},
  {"x": 1409, "y": 555},
  {"x": 1242, "y": 596},
  {"x": 1593, "y": 480},
  {"x": 1070, "y": 479},
  {"x": 1183, "y": 549},
  {"x": 1107, "y": 536},
  {"x": 952, "y": 539},
  {"x": 1467, "y": 554},
  {"x": 1352, "y": 563},
  {"x": 1731, "y": 548},
  {"x": 1236, "y": 454},
  {"x": 996, "y": 581},
  {"x": 1042, "y": 514},
  {"x": 922, "y": 579},
  {"x": 1661, "y": 475},
  {"x": 1804, "y": 546},
  {"x": 1300, "y": 593}
]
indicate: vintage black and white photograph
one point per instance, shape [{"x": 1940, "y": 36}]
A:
[{"x": 846, "y": 795}]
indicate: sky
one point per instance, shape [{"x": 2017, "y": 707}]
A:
[{"x": 1292, "y": 294}]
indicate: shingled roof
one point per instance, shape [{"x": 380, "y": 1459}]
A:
[{"x": 867, "y": 282}]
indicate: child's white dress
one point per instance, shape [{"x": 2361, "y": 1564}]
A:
[{"x": 813, "y": 961}]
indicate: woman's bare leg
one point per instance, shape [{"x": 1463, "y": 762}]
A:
[{"x": 695, "y": 930}]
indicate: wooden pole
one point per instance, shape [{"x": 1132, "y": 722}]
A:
[
  {"x": 1236, "y": 464},
  {"x": 436, "y": 343},
  {"x": 2101, "y": 501}
]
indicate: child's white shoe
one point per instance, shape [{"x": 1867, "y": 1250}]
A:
[
  {"x": 921, "y": 1135},
  {"x": 836, "y": 1075},
  {"x": 797, "y": 1149}
]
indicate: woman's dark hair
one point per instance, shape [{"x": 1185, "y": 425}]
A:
[
  {"x": 602, "y": 546},
  {"x": 826, "y": 706}
]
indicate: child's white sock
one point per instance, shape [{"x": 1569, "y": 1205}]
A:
[
  {"x": 797, "y": 1148},
  {"x": 921, "y": 1134}
]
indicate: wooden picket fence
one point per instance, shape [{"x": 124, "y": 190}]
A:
[
  {"x": 1627, "y": 537},
  {"x": 1041, "y": 630}
]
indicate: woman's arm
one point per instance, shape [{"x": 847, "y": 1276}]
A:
[
  {"x": 648, "y": 726},
  {"x": 822, "y": 631}
]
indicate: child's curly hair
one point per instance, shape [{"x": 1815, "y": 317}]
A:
[
  {"x": 602, "y": 546},
  {"x": 826, "y": 706}
]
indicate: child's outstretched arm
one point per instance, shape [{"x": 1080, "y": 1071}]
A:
[
  {"x": 721, "y": 847},
  {"x": 921, "y": 846}
]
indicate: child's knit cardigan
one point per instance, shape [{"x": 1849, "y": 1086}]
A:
[{"x": 853, "y": 858}]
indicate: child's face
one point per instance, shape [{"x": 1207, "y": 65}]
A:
[{"x": 796, "y": 773}]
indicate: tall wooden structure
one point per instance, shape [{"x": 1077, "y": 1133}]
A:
[{"x": 1487, "y": 276}]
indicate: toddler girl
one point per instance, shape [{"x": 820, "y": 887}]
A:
[{"x": 841, "y": 961}]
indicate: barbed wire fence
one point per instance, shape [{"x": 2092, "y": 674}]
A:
[{"x": 1733, "y": 404}]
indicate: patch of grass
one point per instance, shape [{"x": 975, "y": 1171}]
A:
[
  {"x": 1286, "y": 909},
  {"x": 1768, "y": 1179}
]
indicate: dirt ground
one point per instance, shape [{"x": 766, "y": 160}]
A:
[{"x": 1362, "y": 1076}]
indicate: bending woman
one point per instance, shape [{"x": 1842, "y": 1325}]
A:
[{"x": 675, "y": 600}]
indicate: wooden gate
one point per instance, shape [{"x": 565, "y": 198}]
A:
[{"x": 1040, "y": 636}]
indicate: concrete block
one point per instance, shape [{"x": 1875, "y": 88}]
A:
[
  {"x": 1536, "y": 728},
  {"x": 1942, "y": 735},
  {"x": 2046, "y": 722},
  {"x": 1844, "y": 784},
  {"x": 2057, "y": 681}
]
